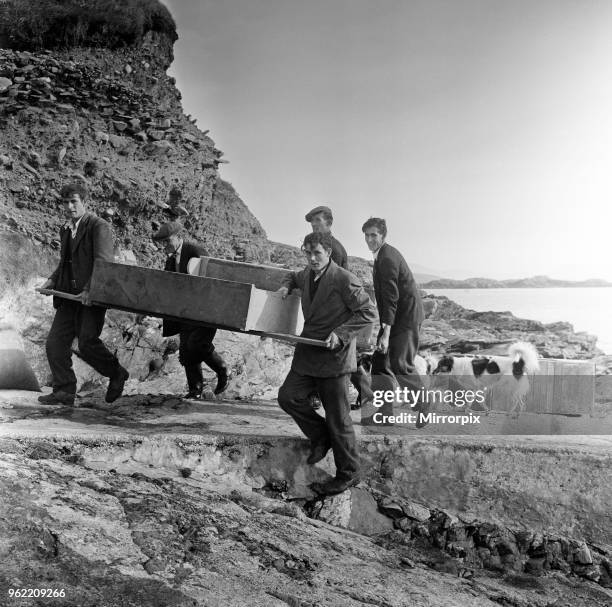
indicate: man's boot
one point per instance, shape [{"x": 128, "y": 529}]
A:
[
  {"x": 217, "y": 364},
  {"x": 195, "y": 381},
  {"x": 57, "y": 398},
  {"x": 116, "y": 384}
]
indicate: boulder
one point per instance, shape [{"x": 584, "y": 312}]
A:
[
  {"x": 118, "y": 142},
  {"x": 15, "y": 371},
  {"x": 356, "y": 510},
  {"x": 5, "y": 83},
  {"x": 159, "y": 148}
]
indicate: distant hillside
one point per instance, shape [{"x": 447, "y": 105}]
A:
[
  {"x": 516, "y": 283},
  {"x": 423, "y": 278}
]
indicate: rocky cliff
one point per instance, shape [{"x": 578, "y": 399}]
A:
[{"x": 108, "y": 115}]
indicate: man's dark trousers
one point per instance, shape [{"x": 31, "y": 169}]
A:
[
  {"x": 196, "y": 345},
  {"x": 72, "y": 320},
  {"x": 336, "y": 429},
  {"x": 362, "y": 383},
  {"x": 399, "y": 360}
]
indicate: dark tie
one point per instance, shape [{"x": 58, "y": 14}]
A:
[{"x": 171, "y": 264}]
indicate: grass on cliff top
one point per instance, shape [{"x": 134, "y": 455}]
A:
[{"x": 51, "y": 24}]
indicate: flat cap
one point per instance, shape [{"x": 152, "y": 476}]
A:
[
  {"x": 316, "y": 211},
  {"x": 167, "y": 230}
]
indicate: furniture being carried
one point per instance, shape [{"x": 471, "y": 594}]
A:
[{"x": 229, "y": 295}]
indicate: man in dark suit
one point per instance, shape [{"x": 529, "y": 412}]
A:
[
  {"x": 336, "y": 308},
  {"x": 84, "y": 239},
  {"x": 321, "y": 220},
  {"x": 196, "y": 343},
  {"x": 399, "y": 307}
]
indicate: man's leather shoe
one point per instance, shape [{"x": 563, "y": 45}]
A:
[
  {"x": 57, "y": 398},
  {"x": 222, "y": 380},
  {"x": 334, "y": 485},
  {"x": 317, "y": 452},
  {"x": 195, "y": 393},
  {"x": 217, "y": 364},
  {"x": 115, "y": 385}
]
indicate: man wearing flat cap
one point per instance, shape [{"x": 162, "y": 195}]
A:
[
  {"x": 321, "y": 219},
  {"x": 196, "y": 343}
]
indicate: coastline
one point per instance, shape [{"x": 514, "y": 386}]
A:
[{"x": 585, "y": 310}]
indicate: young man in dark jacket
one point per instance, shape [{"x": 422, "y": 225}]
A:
[
  {"x": 399, "y": 307},
  {"x": 84, "y": 239},
  {"x": 196, "y": 343},
  {"x": 336, "y": 309},
  {"x": 321, "y": 219}
]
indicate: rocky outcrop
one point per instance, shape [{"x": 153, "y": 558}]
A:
[
  {"x": 491, "y": 546},
  {"x": 451, "y": 328}
]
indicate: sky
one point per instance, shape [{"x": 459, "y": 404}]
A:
[{"x": 481, "y": 130}]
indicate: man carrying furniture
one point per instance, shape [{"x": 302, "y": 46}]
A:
[
  {"x": 196, "y": 343},
  {"x": 84, "y": 239},
  {"x": 321, "y": 220},
  {"x": 336, "y": 308}
]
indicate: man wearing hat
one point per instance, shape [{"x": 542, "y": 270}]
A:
[
  {"x": 321, "y": 219},
  {"x": 196, "y": 343}
]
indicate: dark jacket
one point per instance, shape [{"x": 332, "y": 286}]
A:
[
  {"x": 397, "y": 295},
  {"x": 338, "y": 255},
  {"x": 93, "y": 240},
  {"x": 340, "y": 305},
  {"x": 188, "y": 251}
]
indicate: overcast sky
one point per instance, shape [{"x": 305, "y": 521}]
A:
[{"x": 480, "y": 129}]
